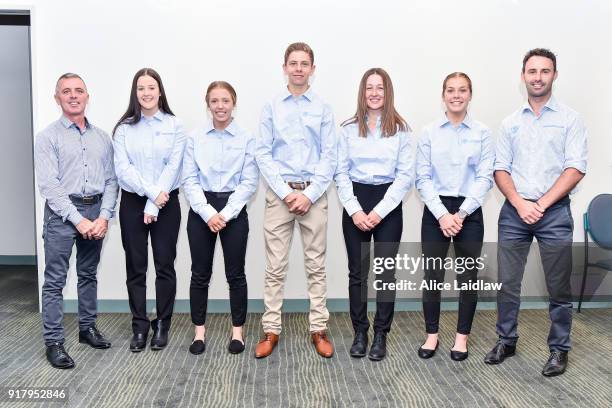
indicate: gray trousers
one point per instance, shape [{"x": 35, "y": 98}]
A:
[
  {"x": 59, "y": 237},
  {"x": 554, "y": 235}
]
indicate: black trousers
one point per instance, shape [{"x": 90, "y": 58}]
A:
[
  {"x": 389, "y": 231},
  {"x": 135, "y": 238},
  {"x": 202, "y": 246},
  {"x": 468, "y": 244}
]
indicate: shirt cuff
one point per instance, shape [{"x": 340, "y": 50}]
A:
[
  {"x": 75, "y": 217},
  {"x": 227, "y": 213},
  {"x": 469, "y": 205},
  {"x": 312, "y": 193},
  {"x": 352, "y": 206},
  {"x": 105, "y": 214},
  {"x": 500, "y": 166},
  {"x": 283, "y": 191},
  {"x": 207, "y": 212},
  {"x": 437, "y": 209},
  {"x": 382, "y": 209},
  {"x": 151, "y": 208},
  {"x": 578, "y": 165},
  {"x": 153, "y": 192}
]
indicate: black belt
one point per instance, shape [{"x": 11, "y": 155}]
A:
[
  {"x": 219, "y": 194},
  {"x": 87, "y": 200},
  {"x": 298, "y": 185}
]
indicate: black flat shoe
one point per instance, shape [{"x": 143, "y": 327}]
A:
[
  {"x": 499, "y": 353},
  {"x": 378, "y": 351},
  {"x": 139, "y": 342},
  {"x": 94, "y": 338},
  {"x": 197, "y": 347},
  {"x": 160, "y": 334},
  {"x": 58, "y": 357},
  {"x": 360, "y": 344},
  {"x": 235, "y": 346},
  {"x": 427, "y": 353},
  {"x": 556, "y": 364},
  {"x": 458, "y": 355}
]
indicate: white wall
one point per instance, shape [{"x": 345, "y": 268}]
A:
[
  {"x": 418, "y": 43},
  {"x": 16, "y": 163}
]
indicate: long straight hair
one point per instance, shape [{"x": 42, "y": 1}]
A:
[
  {"x": 132, "y": 114},
  {"x": 391, "y": 121}
]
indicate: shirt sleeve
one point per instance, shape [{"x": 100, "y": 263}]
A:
[
  {"x": 47, "y": 170},
  {"x": 111, "y": 188},
  {"x": 172, "y": 169},
  {"x": 191, "y": 183},
  {"x": 404, "y": 177},
  {"x": 484, "y": 176},
  {"x": 126, "y": 172},
  {"x": 324, "y": 170},
  {"x": 249, "y": 177},
  {"x": 270, "y": 170},
  {"x": 344, "y": 185},
  {"x": 424, "y": 177},
  {"x": 576, "y": 146},
  {"x": 503, "y": 152}
]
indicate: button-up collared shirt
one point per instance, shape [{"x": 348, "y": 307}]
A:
[
  {"x": 454, "y": 161},
  {"x": 374, "y": 159},
  {"x": 535, "y": 150},
  {"x": 69, "y": 161},
  {"x": 148, "y": 156},
  {"x": 220, "y": 161},
  {"x": 297, "y": 142}
]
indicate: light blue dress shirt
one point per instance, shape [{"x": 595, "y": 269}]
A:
[
  {"x": 455, "y": 161},
  {"x": 220, "y": 161},
  {"x": 536, "y": 150},
  {"x": 297, "y": 142},
  {"x": 148, "y": 156},
  {"x": 374, "y": 159},
  {"x": 71, "y": 162}
]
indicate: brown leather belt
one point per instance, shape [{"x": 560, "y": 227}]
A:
[{"x": 298, "y": 185}]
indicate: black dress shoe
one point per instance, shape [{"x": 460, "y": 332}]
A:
[
  {"x": 499, "y": 353},
  {"x": 94, "y": 338},
  {"x": 360, "y": 344},
  {"x": 378, "y": 351},
  {"x": 458, "y": 355},
  {"x": 58, "y": 357},
  {"x": 160, "y": 334},
  {"x": 428, "y": 353},
  {"x": 235, "y": 346},
  {"x": 139, "y": 342},
  {"x": 197, "y": 347},
  {"x": 556, "y": 364}
]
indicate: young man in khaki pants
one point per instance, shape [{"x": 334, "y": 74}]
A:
[{"x": 296, "y": 154}]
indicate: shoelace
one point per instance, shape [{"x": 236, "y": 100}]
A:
[{"x": 555, "y": 355}]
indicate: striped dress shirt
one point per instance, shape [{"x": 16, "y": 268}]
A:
[{"x": 69, "y": 161}]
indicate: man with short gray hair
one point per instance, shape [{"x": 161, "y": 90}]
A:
[{"x": 74, "y": 166}]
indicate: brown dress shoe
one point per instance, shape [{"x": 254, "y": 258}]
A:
[
  {"x": 322, "y": 344},
  {"x": 266, "y": 345}
]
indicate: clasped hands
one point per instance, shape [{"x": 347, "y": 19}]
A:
[
  {"x": 529, "y": 211},
  {"x": 366, "y": 222},
  {"x": 92, "y": 229},
  {"x": 160, "y": 202},
  {"x": 451, "y": 224},
  {"x": 298, "y": 203}
]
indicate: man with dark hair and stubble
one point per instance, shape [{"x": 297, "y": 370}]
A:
[
  {"x": 541, "y": 157},
  {"x": 74, "y": 168}
]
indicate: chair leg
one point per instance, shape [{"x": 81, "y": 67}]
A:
[{"x": 586, "y": 265}]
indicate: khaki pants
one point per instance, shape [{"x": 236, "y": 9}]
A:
[{"x": 278, "y": 233}]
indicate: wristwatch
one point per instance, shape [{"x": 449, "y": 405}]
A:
[{"x": 462, "y": 214}]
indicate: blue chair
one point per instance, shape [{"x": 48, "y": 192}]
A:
[{"x": 597, "y": 224}]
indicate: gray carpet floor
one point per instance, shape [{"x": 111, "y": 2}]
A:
[{"x": 294, "y": 376}]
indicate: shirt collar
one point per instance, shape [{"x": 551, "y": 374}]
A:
[
  {"x": 231, "y": 129},
  {"x": 551, "y": 104},
  {"x": 467, "y": 121},
  {"x": 159, "y": 115},
  {"x": 309, "y": 94},
  {"x": 67, "y": 122}
]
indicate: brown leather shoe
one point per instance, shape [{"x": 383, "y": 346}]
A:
[
  {"x": 324, "y": 347},
  {"x": 266, "y": 345}
]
